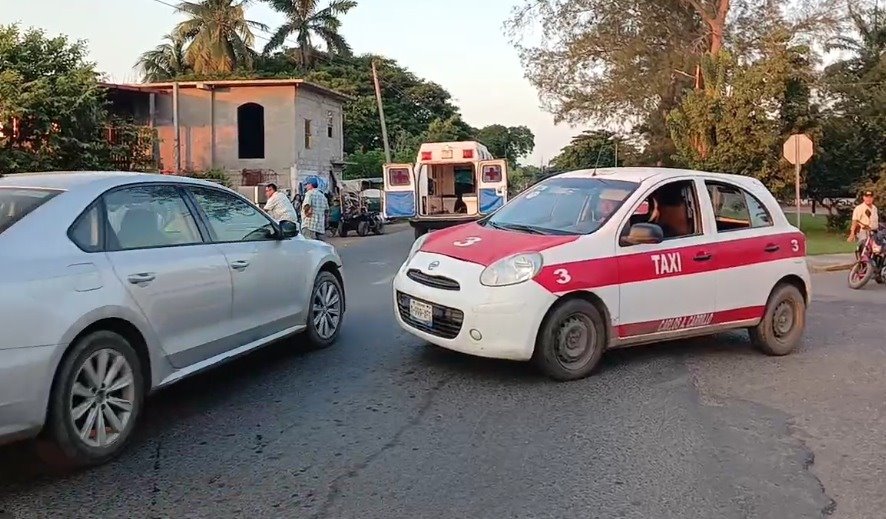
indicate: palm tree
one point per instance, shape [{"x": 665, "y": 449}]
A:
[
  {"x": 306, "y": 22},
  {"x": 165, "y": 61},
  {"x": 220, "y": 36}
]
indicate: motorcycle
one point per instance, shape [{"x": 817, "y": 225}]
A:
[{"x": 870, "y": 260}]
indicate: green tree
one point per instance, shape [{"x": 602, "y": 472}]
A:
[
  {"x": 219, "y": 36},
  {"x": 164, "y": 62},
  {"x": 505, "y": 142},
  {"x": 364, "y": 164},
  {"x": 51, "y": 106},
  {"x": 308, "y": 23},
  {"x": 593, "y": 148},
  {"x": 738, "y": 121}
]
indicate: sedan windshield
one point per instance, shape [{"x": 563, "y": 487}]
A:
[
  {"x": 563, "y": 206},
  {"x": 16, "y": 203}
]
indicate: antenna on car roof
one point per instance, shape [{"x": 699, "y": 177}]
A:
[{"x": 597, "y": 162}]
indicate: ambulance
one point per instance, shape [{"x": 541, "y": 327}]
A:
[
  {"x": 592, "y": 260},
  {"x": 450, "y": 183}
]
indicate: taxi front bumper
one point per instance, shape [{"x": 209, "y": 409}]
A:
[{"x": 492, "y": 322}]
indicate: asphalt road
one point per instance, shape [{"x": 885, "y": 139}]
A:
[{"x": 384, "y": 426}]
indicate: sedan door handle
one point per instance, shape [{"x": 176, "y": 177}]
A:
[
  {"x": 703, "y": 256},
  {"x": 239, "y": 265},
  {"x": 771, "y": 248},
  {"x": 141, "y": 278}
]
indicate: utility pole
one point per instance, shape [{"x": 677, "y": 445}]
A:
[{"x": 381, "y": 114}]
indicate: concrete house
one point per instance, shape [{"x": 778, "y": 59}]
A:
[{"x": 264, "y": 130}]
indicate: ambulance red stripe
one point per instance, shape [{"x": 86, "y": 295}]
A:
[
  {"x": 647, "y": 266},
  {"x": 687, "y": 322}
]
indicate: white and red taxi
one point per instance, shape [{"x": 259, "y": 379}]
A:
[{"x": 597, "y": 259}]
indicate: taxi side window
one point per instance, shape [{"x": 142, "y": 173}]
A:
[
  {"x": 735, "y": 208},
  {"x": 674, "y": 207}
]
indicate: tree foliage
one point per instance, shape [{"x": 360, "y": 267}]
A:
[
  {"x": 218, "y": 35},
  {"x": 52, "y": 108},
  {"x": 505, "y": 142},
  {"x": 594, "y": 148},
  {"x": 308, "y": 23}
]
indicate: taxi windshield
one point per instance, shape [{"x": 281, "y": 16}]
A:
[{"x": 563, "y": 206}]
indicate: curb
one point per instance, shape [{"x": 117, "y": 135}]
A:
[{"x": 816, "y": 269}]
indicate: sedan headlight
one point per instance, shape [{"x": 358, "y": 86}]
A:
[
  {"x": 512, "y": 270},
  {"x": 415, "y": 246}
]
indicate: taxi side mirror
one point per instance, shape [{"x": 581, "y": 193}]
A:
[{"x": 642, "y": 233}]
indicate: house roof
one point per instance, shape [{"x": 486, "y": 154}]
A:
[{"x": 232, "y": 83}]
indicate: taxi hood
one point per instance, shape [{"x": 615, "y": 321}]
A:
[{"x": 485, "y": 245}]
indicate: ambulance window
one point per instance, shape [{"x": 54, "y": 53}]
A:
[
  {"x": 735, "y": 208},
  {"x": 398, "y": 177},
  {"x": 492, "y": 173}
]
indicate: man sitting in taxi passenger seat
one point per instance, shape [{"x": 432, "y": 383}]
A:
[{"x": 670, "y": 212}]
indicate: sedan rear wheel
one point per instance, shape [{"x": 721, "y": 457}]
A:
[{"x": 95, "y": 402}]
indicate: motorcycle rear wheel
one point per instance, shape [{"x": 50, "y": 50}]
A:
[{"x": 860, "y": 274}]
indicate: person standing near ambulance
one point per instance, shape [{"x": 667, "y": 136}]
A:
[
  {"x": 864, "y": 219},
  {"x": 314, "y": 211}
]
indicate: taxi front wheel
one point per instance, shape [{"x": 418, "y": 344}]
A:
[
  {"x": 571, "y": 341},
  {"x": 781, "y": 329}
]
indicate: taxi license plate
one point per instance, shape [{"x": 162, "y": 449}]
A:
[{"x": 421, "y": 312}]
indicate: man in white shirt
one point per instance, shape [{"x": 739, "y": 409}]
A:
[
  {"x": 278, "y": 206},
  {"x": 864, "y": 219}
]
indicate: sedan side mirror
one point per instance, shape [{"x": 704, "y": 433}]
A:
[
  {"x": 642, "y": 233},
  {"x": 288, "y": 229}
]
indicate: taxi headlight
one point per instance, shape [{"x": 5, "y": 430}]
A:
[
  {"x": 415, "y": 246},
  {"x": 512, "y": 270}
]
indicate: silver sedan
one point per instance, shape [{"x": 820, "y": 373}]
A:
[{"x": 113, "y": 285}]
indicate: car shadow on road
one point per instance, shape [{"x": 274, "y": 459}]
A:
[
  {"x": 199, "y": 394},
  {"x": 731, "y": 344}
]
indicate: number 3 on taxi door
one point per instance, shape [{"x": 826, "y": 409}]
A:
[
  {"x": 795, "y": 246},
  {"x": 563, "y": 276}
]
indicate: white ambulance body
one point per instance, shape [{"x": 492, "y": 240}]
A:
[
  {"x": 591, "y": 260},
  {"x": 449, "y": 184}
]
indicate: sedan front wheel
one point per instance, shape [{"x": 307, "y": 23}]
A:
[{"x": 326, "y": 310}]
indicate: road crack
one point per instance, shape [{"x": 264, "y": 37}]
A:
[{"x": 335, "y": 486}]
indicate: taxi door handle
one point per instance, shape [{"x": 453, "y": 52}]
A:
[
  {"x": 703, "y": 256},
  {"x": 771, "y": 248}
]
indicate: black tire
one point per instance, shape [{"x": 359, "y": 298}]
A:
[
  {"x": 342, "y": 230},
  {"x": 316, "y": 336},
  {"x": 858, "y": 278},
  {"x": 419, "y": 232},
  {"x": 780, "y": 333},
  {"x": 573, "y": 316},
  {"x": 379, "y": 228},
  {"x": 363, "y": 228},
  {"x": 60, "y": 444}
]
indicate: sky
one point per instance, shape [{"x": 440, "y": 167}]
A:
[{"x": 460, "y": 44}]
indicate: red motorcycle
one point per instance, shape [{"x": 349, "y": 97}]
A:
[{"x": 870, "y": 260}]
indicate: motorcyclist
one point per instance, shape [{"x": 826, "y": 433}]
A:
[{"x": 864, "y": 219}]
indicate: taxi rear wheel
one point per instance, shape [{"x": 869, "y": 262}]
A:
[
  {"x": 571, "y": 341},
  {"x": 780, "y": 331}
]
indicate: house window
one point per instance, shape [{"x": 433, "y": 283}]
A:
[
  {"x": 251, "y": 131},
  {"x": 330, "y": 122},
  {"x": 307, "y": 134}
]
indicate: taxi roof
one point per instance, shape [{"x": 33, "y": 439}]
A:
[{"x": 642, "y": 174}]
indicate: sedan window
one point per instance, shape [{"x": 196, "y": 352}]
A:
[
  {"x": 16, "y": 203},
  {"x": 149, "y": 216},
  {"x": 232, "y": 219}
]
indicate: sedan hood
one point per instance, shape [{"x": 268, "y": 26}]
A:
[{"x": 485, "y": 245}]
